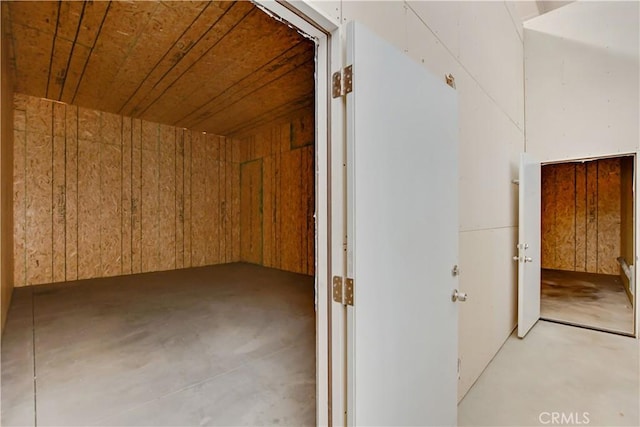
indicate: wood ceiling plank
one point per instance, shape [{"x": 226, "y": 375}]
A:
[
  {"x": 58, "y": 70},
  {"x": 254, "y": 42},
  {"x": 37, "y": 15},
  {"x": 195, "y": 37},
  {"x": 66, "y": 34},
  {"x": 33, "y": 57},
  {"x": 69, "y": 19},
  {"x": 278, "y": 114},
  {"x": 165, "y": 27},
  {"x": 92, "y": 18},
  {"x": 292, "y": 87},
  {"x": 122, "y": 26},
  {"x": 283, "y": 64},
  {"x": 177, "y": 64}
]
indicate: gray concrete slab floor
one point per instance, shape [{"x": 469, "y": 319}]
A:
[
  {"x": 223, "y": 345},
  {"x": 586, "y": 377}
]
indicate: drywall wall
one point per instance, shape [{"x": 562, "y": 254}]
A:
[
  {"x": 581, "y": 216},
  {"x": 277, "y": 194},
  {"x": 481, "y": 44},
  {"x": 582, "y": 86},
  {"x": 97, "y": 195},
  {"x": 6, "y": 178}
]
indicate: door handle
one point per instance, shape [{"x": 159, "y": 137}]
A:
[
  {"x": 458, "y": 296},
  {"x": 523, "y": 259},
  {"x": 516, "y": 258},
  {"x": 528, "y": 259}
]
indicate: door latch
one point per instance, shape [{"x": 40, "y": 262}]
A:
[{"x": 458, "y": 296}]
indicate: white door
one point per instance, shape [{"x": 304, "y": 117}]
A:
[
  {"x": 402, "y": 238},
  {"x": 529, "y": 244}
]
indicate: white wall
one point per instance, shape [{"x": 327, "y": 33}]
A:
[
  {"x": 480, "y": 43},
  {"x": 582, "y": 75}
]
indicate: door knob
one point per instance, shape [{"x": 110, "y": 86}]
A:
[
  {"x": 528, "y": 259},
  {"x": 458, "y": 296},
  {"x": 516, "y": 258}
]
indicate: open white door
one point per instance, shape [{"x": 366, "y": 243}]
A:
[
  {"x": 529, "y": 244},
  {"x": 402, "y": 238}
]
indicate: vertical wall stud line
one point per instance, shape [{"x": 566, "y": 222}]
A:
[
  {"x": 52, "y": 170},
  {"x": 575, "y": 217},
  {"x": 65, "y": 191},
  {"x": 121, "y": 194}
]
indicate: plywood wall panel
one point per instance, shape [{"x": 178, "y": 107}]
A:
[
  {"x": 212, "y": 197},
  {"x": 287, "y": 223},
  {"x": 199, "y": 223},
  {"x": 235, "y": 202},
  {"x": 581, "y": 217},
  {"x": 188, "y": 218},
  {"x": 71, "y": 191},
  {"x": 102, "y": 195},
  {"x": 565, "y": 216},
  {"x": 89, "y": 201},
  {"x": 149, "y": 208},
  {"x": 59, "y": 201},
  {"x": 167, "y": 199},
  {"x": 126, "y": 194},
  {"x": 548, "y": 218},
  {"x": 39, "y": 116},
  {"x": 269, "y": 211},
  {"x": 39, "y": 203},
  {"x": 110, "y": 209},
  {"x": 179, "y": 197},
  {"x": 136, "y": 202},
  {"x": 592, "y": 217},
  {"x": 19, "y": 205},
  {"x": 89, "y": 124},
  {"x": 309, "y": 204},
  {"x": 609, "y": 216},
  {"x": 251, "y": 211}
]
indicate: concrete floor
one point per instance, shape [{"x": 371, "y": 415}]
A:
[
  {"x": 223, "y": 345},
  {"x": 562, "y": 369},
  {"x": 594, "y": 300}
]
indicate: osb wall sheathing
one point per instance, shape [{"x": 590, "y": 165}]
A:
[
  {"x": 6, "y": 176},
  {"x": 581, "y": 216},
  {"x": 277, "y": 195},
  {"x": 626, "y": 216},
  {"x": 98, "y": 194}
]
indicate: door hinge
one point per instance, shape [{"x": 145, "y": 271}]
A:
[
  {"x": 343, "y": 294},
  {"x": 342, "y": 82}
]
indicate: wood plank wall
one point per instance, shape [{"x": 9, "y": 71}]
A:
[
  {"x": 627, "y": 245},
  {"x": 581, "y": 216},
  {"x": 277, "y": 195},
  {"x": 7, "y": 79},
  {"x": 98, "y": 194}
]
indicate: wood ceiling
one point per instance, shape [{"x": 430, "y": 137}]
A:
[{"x": 219, "y": 66}]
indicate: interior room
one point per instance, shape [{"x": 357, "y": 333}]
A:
[
  {"x": 163, "y": 215},
  {"x": 587, "y": 243}
]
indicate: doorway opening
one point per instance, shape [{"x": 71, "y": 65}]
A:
[
  {"x": 588, "y": 250},
  {"x": 197, "y": 158}
]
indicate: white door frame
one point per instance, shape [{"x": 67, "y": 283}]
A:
[
  {"x": 636, "y": 218},
  {"x": 330, "y": 203}
]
